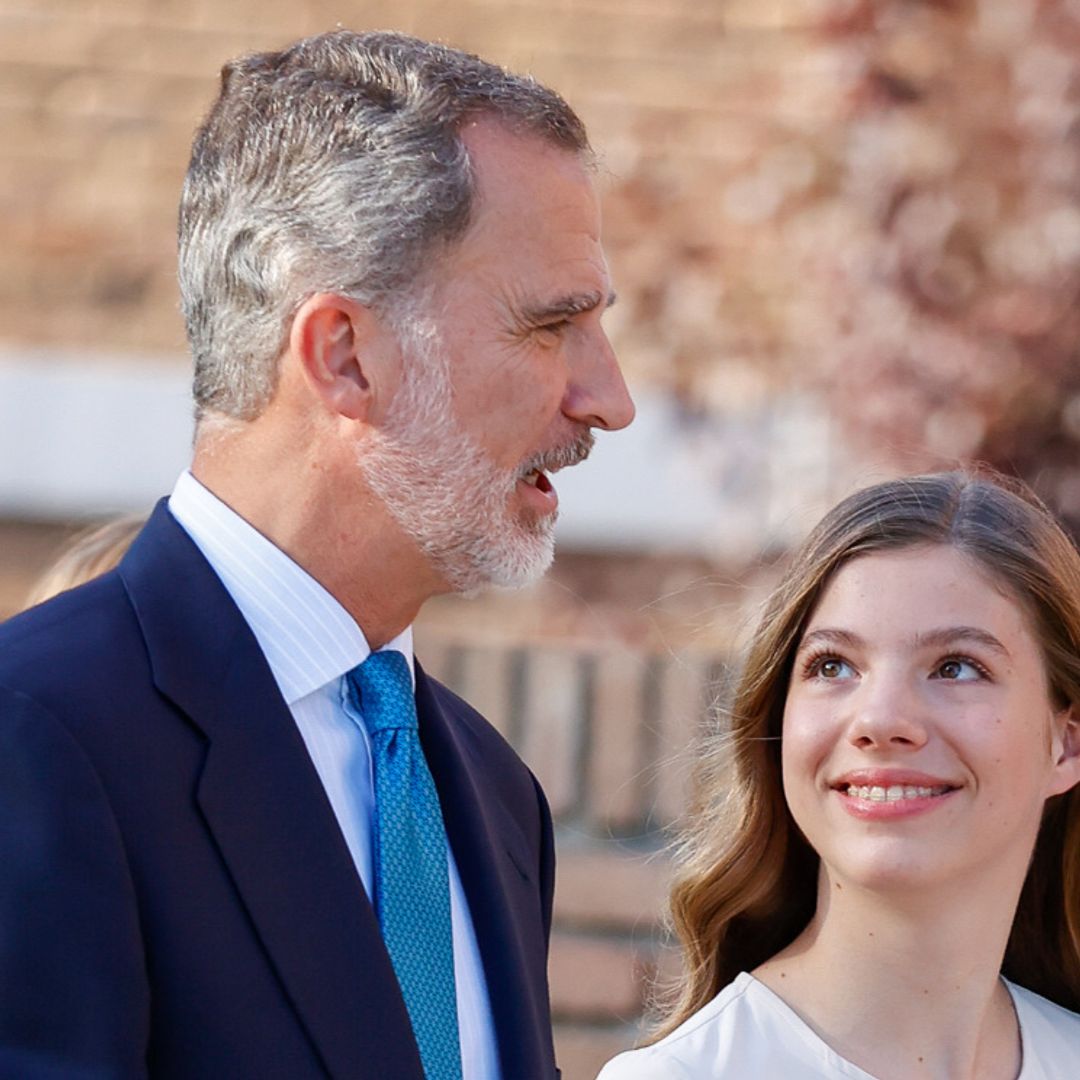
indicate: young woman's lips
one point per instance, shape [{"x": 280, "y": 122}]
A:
[{"x": 887, "y": 796}]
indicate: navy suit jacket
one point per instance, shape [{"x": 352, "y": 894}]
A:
[{"x": 176, "y": 898}]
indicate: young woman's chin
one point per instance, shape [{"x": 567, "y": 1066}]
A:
[
  {"x": 886, "y": 869},
  {"x": 921, "y": 873}
]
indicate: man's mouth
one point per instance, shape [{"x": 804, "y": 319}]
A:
[
  {"x": 562, "y": 457},
  {"x": 535, "y": 472},
  {"x": 537, "y": 478},
  {"x": 538, "y": 493}
]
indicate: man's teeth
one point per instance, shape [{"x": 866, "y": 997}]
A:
[
  {"x": 532, "y": 477},
  {"x": 893, "y": 793}
]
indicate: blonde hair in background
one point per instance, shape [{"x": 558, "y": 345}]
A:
[
  {"x": 747, "y": 879},
  {"x": 87, "y": 555}
]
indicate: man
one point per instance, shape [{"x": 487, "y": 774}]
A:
[{"x": 241, "y": 835}]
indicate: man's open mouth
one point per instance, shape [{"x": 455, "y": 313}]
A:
[{"x": 537, "y": 478}]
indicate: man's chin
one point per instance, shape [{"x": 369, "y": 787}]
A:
[{"x": 502, "y": 567}]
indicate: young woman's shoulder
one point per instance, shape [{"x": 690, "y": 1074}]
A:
[
  {"x": 746, "y": 1030},
  {"x": 1049, "y": 1033},
  {"x": 683, "y": 1053}
]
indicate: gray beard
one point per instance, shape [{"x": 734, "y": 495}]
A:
[{"x": 443, "y": 489}]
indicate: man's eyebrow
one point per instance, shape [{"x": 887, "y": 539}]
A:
[
  {"x": 565, "y": 306},
  {"x": 951, "y": 635}
]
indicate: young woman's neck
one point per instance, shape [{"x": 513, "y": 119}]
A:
[{"x": 906, "y": 986}]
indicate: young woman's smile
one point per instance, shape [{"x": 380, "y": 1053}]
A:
[{"x": 877, "y": 794}]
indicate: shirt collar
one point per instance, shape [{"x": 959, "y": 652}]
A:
[{"x": 307, "y": 637}]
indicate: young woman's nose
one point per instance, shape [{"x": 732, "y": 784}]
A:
[{"x": 887, "y": 713}]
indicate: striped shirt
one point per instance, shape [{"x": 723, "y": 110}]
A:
[{"x": 310, "y": 642}]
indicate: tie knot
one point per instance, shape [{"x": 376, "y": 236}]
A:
[{"x": 383, "y": 692}]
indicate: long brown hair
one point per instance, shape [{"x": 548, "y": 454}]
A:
[{"x": 748, "y": 879}]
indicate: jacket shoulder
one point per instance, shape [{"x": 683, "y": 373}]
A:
[
  {"x": 480, "y": 729},
  {"x": 74, "y": 640}
]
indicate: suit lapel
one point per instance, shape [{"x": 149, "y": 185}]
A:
[
  {"x": 498, "y": 876},
  {"x": 265, "y": 806}
]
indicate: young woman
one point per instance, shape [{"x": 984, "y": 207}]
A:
[{"x": 883, "y": 880}]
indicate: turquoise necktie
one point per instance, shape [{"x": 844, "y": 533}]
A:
[{"x": 412, "y": 886}]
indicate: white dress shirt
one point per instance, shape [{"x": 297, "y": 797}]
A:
[{"x": 310, "y": 642}]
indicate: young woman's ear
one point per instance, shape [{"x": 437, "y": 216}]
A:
[
  {"x": 1066, "y": 751},
  {"x": 331, "y": 340}
]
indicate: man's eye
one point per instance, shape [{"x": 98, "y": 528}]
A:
[{"x": 556, "y": 328}]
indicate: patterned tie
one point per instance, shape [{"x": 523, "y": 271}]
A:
[{"x": 412, "y": 888}]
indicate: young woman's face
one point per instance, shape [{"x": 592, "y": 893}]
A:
[{"x": 919, "y": 740}]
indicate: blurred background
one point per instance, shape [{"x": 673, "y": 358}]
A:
[{"x": 846, "y": 240}]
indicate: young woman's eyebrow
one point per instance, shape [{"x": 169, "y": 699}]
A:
[
  {"x": 828, "y": 635},
  {"x": 940, "y": 637},
  {"x": 954, "y": 635}
]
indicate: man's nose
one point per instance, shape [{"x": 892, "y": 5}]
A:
[
  {"x": 887, "y": 713},
  {"x": 596, "y": 392}
]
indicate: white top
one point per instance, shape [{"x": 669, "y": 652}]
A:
[
  {"x": 310, "y": 641},
  {"x": 746, "y": 1031}
]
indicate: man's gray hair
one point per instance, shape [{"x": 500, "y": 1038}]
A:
[{"x": 335, "y": 165}]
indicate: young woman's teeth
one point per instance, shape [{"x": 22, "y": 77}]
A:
[{"x": 893, "y": 793}]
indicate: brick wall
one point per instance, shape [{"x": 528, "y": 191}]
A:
[{"x": 98, "y": 101}]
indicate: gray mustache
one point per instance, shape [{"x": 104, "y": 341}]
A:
[{"x": 562, "y": 457}]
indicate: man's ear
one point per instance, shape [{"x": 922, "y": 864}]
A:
[
  {"x": 336, "y": 342},
  {"x": 1066, "y": 750}
]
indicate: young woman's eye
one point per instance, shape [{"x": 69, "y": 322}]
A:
[
  {"x": 829, "y": 667},
  {"x": 959, "y": 669}
]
